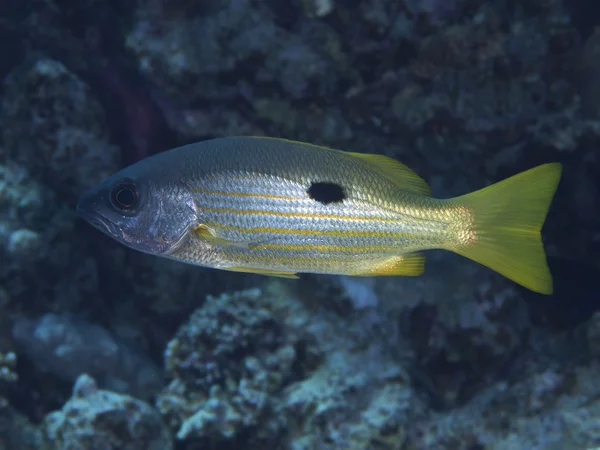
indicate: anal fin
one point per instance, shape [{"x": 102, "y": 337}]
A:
[{"x": 411, "y": 265}]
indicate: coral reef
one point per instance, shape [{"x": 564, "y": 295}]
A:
[
  {"x": 96, "y": 419},
  {"x": 226, "y": 364},
  {"x": 8, "y": 363},
  {"x": 256, "y": 364},
  {"x": 550, "y": 409},
  {"x": 21, "y": 204},
  {"x": 465, "y": 341},
  {"x": 53, "y": 143},
  {"x": 465, "y": 92},
  {"x": 190, "y": 54},
  {"x": 53, "y": 124}
]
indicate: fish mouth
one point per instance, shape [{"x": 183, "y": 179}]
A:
[{"x": 98, "y": 221}]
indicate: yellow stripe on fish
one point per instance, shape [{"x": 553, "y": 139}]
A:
[
  {"x": 246, "y": 194},
  {"x": 309, "y": 231},
  {"x": 265, "y": 212},
  {"x": 279, "y": 207}
]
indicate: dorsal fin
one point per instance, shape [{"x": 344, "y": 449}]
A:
[
  {"x": 399, "y": 174},
  {"x": 396, "y": 172}
]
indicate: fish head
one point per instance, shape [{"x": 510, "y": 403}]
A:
[{"x": 141, "y": 209}]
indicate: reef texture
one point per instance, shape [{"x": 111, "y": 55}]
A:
[
  {"x": 53, "y": 124},
  {"x": 96, "y": 419},
  {"x": 465, "y": 92},
  {"x": 254, "y": 366},
  {"x": 552, "y": 409},
  {"x": 225, "y": 364}
]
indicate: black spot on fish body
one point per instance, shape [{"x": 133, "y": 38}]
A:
[{"x": 326, "y": 193}]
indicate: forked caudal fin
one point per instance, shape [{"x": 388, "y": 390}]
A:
[{"x": 507, "y": 218}]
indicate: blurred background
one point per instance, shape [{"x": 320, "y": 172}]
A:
[{"x": 102, "y": 347}]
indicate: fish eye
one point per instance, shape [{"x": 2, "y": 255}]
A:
[{"x": 124, "y": 196}]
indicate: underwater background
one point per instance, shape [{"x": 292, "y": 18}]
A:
[{"x": 103, "y": 347}]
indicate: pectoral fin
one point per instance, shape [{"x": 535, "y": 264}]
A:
[{"x": 208, "y": 234}]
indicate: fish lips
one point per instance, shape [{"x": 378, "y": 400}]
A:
[{"x": 98, "y": 221}]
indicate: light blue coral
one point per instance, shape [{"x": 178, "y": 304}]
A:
[{"x": 95, "y": 419}]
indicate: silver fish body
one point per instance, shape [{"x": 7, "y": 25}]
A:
[
  {"x": 253, "y": 195},
  {"x": 280, "y": 207}
]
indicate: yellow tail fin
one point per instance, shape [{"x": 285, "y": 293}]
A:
[{"x": 507, "y": 220}]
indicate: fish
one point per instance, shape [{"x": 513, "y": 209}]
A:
[{"x": 279, "y": 207}]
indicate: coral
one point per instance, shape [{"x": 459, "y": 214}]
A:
[
  {"x": 353, "y": 401},
  {"x": 464, "y": 324},
  {"x": 318, "y": 8},
  {"x": 259, "y": 364},
  {"x": 226, "y": 363},
  {"x": 53, "y": 126},
  {"x": 97, "y": 419},
  {"x": 30, "y": 222},
  {"x": 360, "y": 395},
  {"x": 189, "y": 53},
  {"x": 21, "y": 204},
  {"x": 54, "y": 143},
  {"x": 305, "y": 65},
  {"x": 8, "y": 364},
  {"x": 360, "y": 292},
  {"x": 548, "y": 409},
  {"x": 24, "y": 243},
  {"x": 68, "y": 347}
]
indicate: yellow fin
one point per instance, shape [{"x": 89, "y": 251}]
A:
[
  {"x": 506, "y": 221},
  {"x": 404, "y": 177},
  {"x": 411, "y": 264},
  {"x": 208, "y": 234},
  {"x": 268, "y": 272}
]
